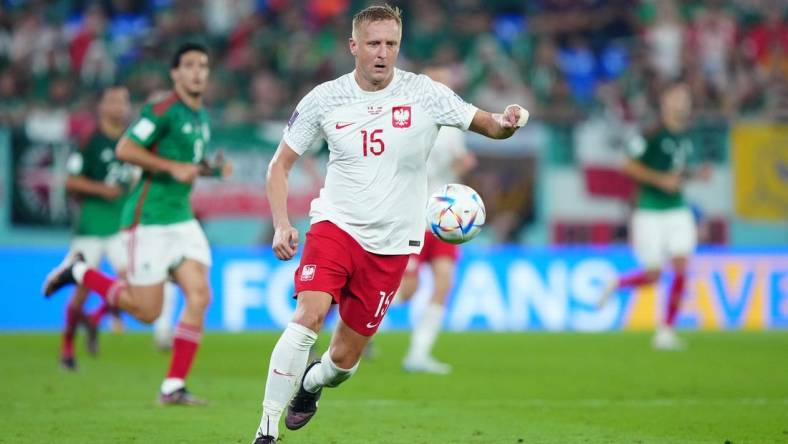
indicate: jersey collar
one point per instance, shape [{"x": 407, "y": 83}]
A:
[{"x": 388, "y": 87}]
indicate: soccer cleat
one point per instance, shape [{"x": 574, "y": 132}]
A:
[
  {"x": 607, "y": 293},
  {"x": 68, "y": 363},
  {"x": 265, "y": 439},
  {"x": 666, "y": 339},
  {"x": 303, "y": 406},
  {"x": 61, "y": 276},
  {"x": 180, "y": 397},
  {"x": 426, "y": 365}
]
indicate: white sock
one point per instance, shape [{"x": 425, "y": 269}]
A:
[
  {"x": 78, "y": 271},
  {"x": 327, "y": 374},
  {"x": 288, "y": 361},
  {"x": 170, "y": 385},
  {"x": 426, "y": 332}
]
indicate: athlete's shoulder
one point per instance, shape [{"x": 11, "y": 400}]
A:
[
  {"x": 410, "y": 77},
  {"x": 339, "y": 87},
  {"x": 422, "y": 87},
  {"x": 328, "y": 96},
  {"x": 88, "y": 139},
  {"x": 160, "y": 103}
]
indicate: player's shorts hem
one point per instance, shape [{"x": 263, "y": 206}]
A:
[
  {"x": 365, "y": 331},
  {"x": 145, "y": 282},
  {"x": 334, "y": 296}
]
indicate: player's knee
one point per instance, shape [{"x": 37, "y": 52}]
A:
[
  {"x": 309, "y": 319},
  {"x": 148, "y": 315},
  {"x": 652, "y": 275},
  {"x": 679, "y": 265},
  {"x": 407, "y": 288},
  {"x": 200, "y": 297}
]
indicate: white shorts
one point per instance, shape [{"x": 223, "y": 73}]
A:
[
  {"x": 154, "y": 250},
  {"x": 94, "y": 248},
  {"x": 659, "y": 235}
]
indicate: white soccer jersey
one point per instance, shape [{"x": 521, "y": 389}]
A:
[
  {"x": 376, "y": 180},
  {"x": 449, "y": 146}
]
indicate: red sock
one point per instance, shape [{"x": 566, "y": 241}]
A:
[
  {"x": 674, "y": 301},
  {"x": 95, "y": 317},
  {"x": 104, "y": 285},
  {"x": 636, "y": 279},
  {"x": 184, "y": 347},
  {"x": 73, "y": 316}
]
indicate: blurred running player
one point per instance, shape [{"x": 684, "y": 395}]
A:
[
  {"x": 380, "y": 124},
  {"x": 448, "y": 162},
  {"x": 663, "y": 227},
  {"x": 168, "y": 141},
  {"x": 101, "y": 183}
]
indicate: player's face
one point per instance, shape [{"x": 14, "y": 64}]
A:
[
  {"x": 676, "y": 107},
  {"x": 191, "y": 75},
  {"x": 376, "y": 47},
  {"x": 114, "y": 104}
]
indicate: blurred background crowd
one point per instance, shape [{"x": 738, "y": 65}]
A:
[
  {"x": 560, "y": 58},
  {"x": 570, "y": 62}
]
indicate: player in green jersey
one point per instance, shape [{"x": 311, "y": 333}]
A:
[
  {"x": 168, "y": 141},
  {"x": 663, "y": 227},
  {"x": 101, "y": 182}
]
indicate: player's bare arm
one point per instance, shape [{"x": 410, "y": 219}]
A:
[
  {"x": 499, "y": 126},
  {"x": 131, "y": 152},
  {"x": 669, "y": 182},
  {"x": 82, "y": 185},
  {"x": 285, "y": 243}
]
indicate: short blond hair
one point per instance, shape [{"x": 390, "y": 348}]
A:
[{"x": 376, "y": 13}]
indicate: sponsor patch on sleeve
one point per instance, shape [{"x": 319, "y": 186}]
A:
[
  {"x": 74, "y": 164},
  {"x": 143, "y": 129}
]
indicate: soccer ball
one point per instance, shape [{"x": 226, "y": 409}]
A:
[{"x": 455, "y": 214}]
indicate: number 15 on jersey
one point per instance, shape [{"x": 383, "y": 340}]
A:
[{"x": 372, "y": 142}]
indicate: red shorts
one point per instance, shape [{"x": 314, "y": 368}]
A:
[
  {"x": 433, "y": 249},
  {"x": 362, "y": 283}
]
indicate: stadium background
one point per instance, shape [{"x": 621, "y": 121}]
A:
[{"x": 587, "y": 70}]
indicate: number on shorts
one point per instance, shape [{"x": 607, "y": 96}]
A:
[{"x": 383, "y": 305}]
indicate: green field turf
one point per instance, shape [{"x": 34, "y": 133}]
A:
[{"x": 506, "y": 388}]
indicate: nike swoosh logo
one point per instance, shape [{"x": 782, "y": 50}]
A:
[
  {"x": 283, "y": 374},
  {"x": 343, "y": 125},
  {"x": 371, "y": 325}
]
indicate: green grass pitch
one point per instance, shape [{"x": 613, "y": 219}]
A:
[{"x": 506, "y": 388}]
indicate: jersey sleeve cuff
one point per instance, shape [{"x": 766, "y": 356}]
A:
[
  {"x": 136, "y": 140},
  {"x": 469, "y": 117},
  {"x": 294, "y": 146}
]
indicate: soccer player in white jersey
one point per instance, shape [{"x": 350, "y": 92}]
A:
[
  {"x": 449, "y": 160},
  {"x": 380, "y": 124}
]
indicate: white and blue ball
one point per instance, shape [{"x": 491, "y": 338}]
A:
[{"x": 455, "y": 214}]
